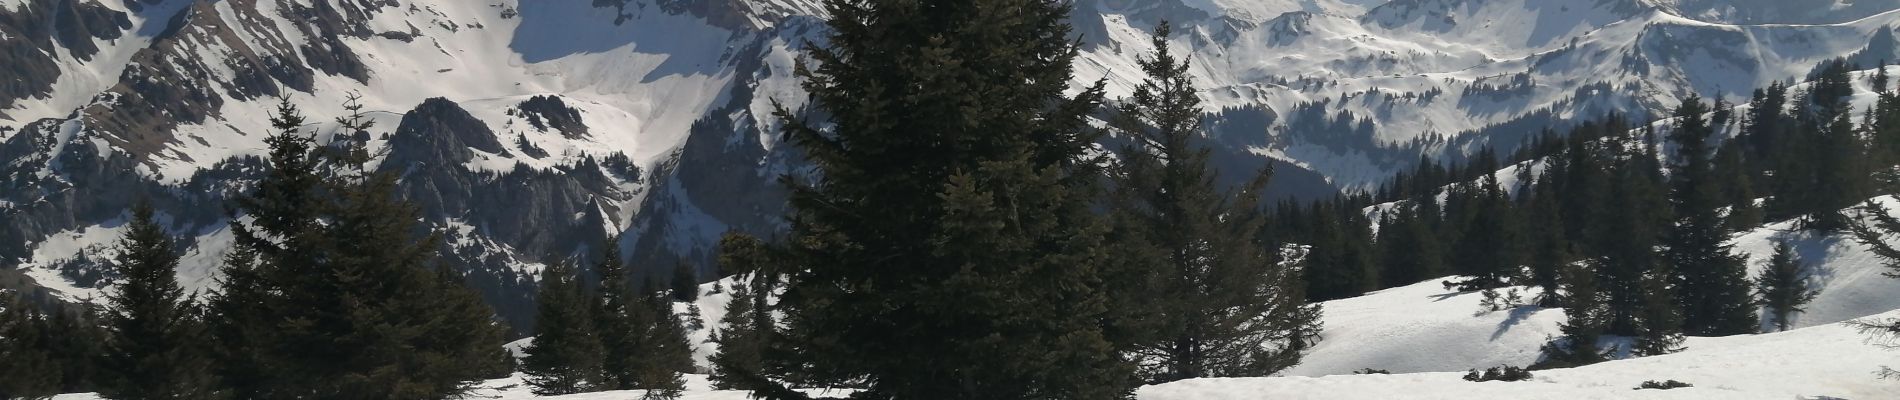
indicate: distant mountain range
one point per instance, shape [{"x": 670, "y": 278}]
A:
[{"x": 535, "y": 129}]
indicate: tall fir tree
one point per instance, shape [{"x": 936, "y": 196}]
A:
[
  {"x": 1765, "y": 128},
  {"x": 1709, "y": 280},
  {"x": 1660, "y": 329},
  {"x": 949, "y": 232},
  {"x": 1631, "y": 270},
  {"x": 1230, "y": 309},
  {"x": 157, "y": 348},
  {"x": 1410, "y": 249},
  {"x": 567, "y": 353},
  {"x": 1339, "y": 262},
  {"x": 1783, "y": 287},
  {"x": 663, "y": 346},
  {"x": 283, "y": 209},
  {"x": 1884, "y": 134},
  {"x": 1489, "y": 251},
  {"x": 336, "y": 280},
  {"x": 1585, "y": 318},
  {"x": 748, "y": 364},
  {"x": 741, "y": 342},
  {"x": 616, "y": 312},
  {"x": 1550, "y": 252}
]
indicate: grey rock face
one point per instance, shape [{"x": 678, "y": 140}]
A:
[
  {"x": 30, "y": 36},
  {"x": 550, "y": 112}
]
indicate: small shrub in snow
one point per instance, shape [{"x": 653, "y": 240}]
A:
[
  {"x": 1664, "y": 385},
  {"x": 1370, "y": 371},
  {"x": 1496, "y": 300},
  {"x": 1500, "y": 373}
]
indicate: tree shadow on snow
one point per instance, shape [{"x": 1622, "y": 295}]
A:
[
  {"x": 1813, "y": 250},
  {"x": 1517, "y": 316}
]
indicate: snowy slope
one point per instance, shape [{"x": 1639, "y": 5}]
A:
[
  {"x": 1427, "y": 336},
  {"x": 1423, "y": 328},
  {"x": 1821, "y": 362}
]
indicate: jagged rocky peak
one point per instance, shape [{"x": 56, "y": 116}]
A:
[
  {"x": 439, "y": 133},
  {"x": 207, "y": 55},
  {"x": 1289, "y": 27}
]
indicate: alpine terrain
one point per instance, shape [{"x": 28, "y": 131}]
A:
[{"x": 1007, "y": 199}]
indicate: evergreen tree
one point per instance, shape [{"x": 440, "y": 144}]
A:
[
  {"x": 741, "y": 344},
  {"x": 75, "y": 341},
  {"x": 685, "y": 283},
  {"x": 1765, "y": 129},
  {"x": 1824, "y": 168},
  {"x": 283, "y": 209},
  {"x": 1550, "y": 251},
  {"x": 334, "y": 295},
  {"x": 1660, "y": 328},
  {"x": 1631, "y": 271},
  {"x": 567, "y": 355},
  {"x": 1339, "y": 262},
  {"x": 30, "y": 370},
  {"x": 1783, "y": 286},
  {"x": 157, "y": 347},
  {"x": 239, "y": 321},
  {"x": 664, "y": 347},
  {"x": 467, "y": 332},
  {"x": 1884, "y": 134},
  {"x": 1710, "y": 282},
  {"x": 1588, "y": 186},
  {"x": 948, "y": 249},
  {"x": 615, "y": 314},
  {"x": 1230, "y": 309},
  {"x": 1586, "y": 317},
  {"x": 743, "y": 360},
  {"x": 1738, "y": 189},
  {"x": 1876, "y": 235},
  {"x": 1411, "y": 250},
  {"x": 1488, "y": 251}
]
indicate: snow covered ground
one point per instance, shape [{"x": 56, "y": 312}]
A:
[
  {"x": 1823, "y": 362},
  {"x": 1425, "y": 328},
  {"x": 1828, "y": 361}
]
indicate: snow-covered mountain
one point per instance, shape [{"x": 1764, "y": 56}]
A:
[{"x": 535, "y": 128}]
